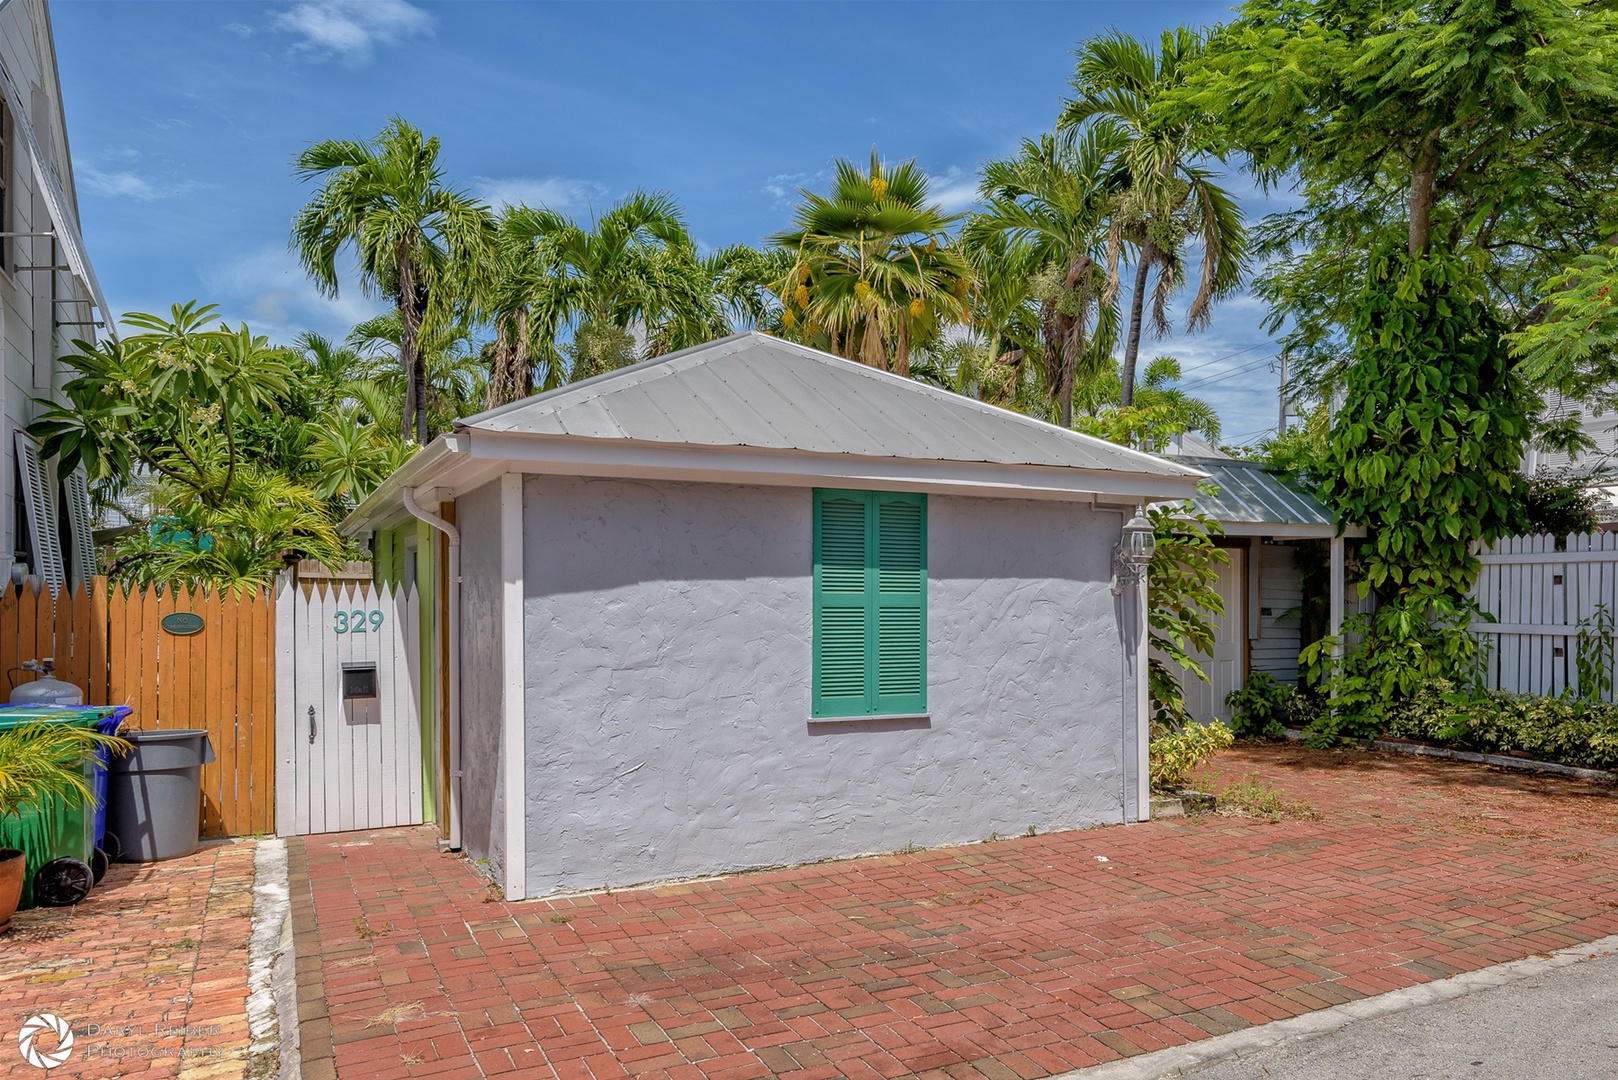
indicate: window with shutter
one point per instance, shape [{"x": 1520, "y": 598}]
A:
[
  {"x": 39, "y": 498},
  {"x": 870, "y": 604}
]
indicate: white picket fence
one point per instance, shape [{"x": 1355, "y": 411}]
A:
[
  {"x": 1539, "y": 596},
  {"x": 355, "y": 762}
]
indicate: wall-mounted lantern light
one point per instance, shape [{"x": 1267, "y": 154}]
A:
[{"x": 1131, "y": 555}]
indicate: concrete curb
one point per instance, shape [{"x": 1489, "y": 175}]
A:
[
  {"x": 1178, "y": 1060},
  {"x": 1499, "y": 760},
  {"x": 272, "y": 1016}
]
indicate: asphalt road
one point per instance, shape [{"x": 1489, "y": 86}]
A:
[{"x": 1557, "y": 1025}]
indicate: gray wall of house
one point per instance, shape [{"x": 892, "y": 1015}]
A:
[
  {"x": 1280, "y": 636},
  {"x": 668, "y": 636},
  {"x": 482, "y": 674}
]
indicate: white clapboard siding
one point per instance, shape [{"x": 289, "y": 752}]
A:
[
  {"x": 354, "y": 764},
  {"x": 1538, "y": 596},
  {"x": 1275, "y": 650}
]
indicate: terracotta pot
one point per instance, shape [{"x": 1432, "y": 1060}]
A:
[{"x": 13, "y": 864}]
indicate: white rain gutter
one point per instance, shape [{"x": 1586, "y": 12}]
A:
[
  {"x": 63, "y": 221},
  {"x": 408, "y": 495}
]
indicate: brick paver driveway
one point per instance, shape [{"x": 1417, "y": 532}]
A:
[
  {"x": 1020, "y": 957},
  {"x": 150, "y": 971}
]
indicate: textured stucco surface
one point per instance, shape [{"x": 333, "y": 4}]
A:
[
  {"x": 668, "y": 633},
  {"x": 482, "y": 674}
]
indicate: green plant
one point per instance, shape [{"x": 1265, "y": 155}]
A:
[
  {"x": 363, "y": 927},
  {"x": 43, "y": 761},
  {"x": 1494, "y": 722},
  {"x": 1181, "y": 601},
  {"x": 561, "y": 919},
  {"x": 1250, "y": 797},
  {"x": 1595, "y": 655},
  {"x": 1261, "y": 708},
  {"x": 1173, "y": 756}
]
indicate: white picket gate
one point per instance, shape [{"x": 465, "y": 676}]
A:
[
  {"x": 349, "y": 762},
  {"x": 1539, "y": 596}
]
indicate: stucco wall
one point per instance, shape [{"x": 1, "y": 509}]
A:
[
  {"x": 668, "y": 636},
  {"x": 482, "y": 674}
]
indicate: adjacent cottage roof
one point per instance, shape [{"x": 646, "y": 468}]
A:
[
  {"x": 754, "y": 409},
  {"x": 1252, "y": 501}
]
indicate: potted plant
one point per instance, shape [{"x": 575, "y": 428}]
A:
[{"x": 41, "y": 761}]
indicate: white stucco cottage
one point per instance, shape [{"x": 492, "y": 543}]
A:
[{"x": 751, "y": 604}]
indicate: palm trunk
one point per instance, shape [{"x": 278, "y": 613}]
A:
[
  {"x": 522, "y": 359},
  {"x": 498, "y": 391},
  {"x": 408, "y": 327},
  {"x": 1137, "y": 308},
  {"x": 901, "y": 350}
]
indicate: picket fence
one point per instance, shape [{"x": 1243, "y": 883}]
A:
[
  {"x": 1541, "y": 598},
  {"x": 108, "y": 641}
]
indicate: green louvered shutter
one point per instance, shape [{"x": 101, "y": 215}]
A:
[
  {"x": 901, "y": 603},
  {"x": 870, "y": 587}
]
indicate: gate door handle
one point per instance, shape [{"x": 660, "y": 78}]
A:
[{"x": 311, "y": 723}]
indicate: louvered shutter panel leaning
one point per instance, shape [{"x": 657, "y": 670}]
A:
[
  {"x": 901, "y": 603},
  {"x": 39, "y": 499},
  {"x": 81, "y": 521},
  {"x": 870, "y": 604}
]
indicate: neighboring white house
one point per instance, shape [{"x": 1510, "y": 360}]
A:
[
  {"x": 751, "y": 604},
  {"x": 48, "y": 297}
]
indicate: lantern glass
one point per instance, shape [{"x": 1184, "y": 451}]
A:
[{"x": 1139, "y": 543}]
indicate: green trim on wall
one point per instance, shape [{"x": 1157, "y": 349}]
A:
[{"x": 870, "y": 604}]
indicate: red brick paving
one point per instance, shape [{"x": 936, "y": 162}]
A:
[
  {"x": 156, "y": 947},
  {"x": 1017, "y": 958}
]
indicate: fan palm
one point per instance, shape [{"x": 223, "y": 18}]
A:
[
  {"x": 1050, "y": 202},
  {"x": 1168, "y": 202},
  {"x": 43, "y": 761},
  {"x": 417, "y": 242},
  {"x": 873, "y": 272}
]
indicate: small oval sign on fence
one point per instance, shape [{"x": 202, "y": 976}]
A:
[{"x": 182, "y": 623}]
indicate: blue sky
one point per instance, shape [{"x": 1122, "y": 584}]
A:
[{"x": 184, "y": 118}]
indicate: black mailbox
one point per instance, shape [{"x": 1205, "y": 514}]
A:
[{"x": 359, "y": 681}]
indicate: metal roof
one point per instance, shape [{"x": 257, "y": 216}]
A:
[
  {"x": 754, "y": 391},
  {"x": 1249, "y": 494}
]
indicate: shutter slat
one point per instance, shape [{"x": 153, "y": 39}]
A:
[
  {"x": 842, "y": 654},
  {"x": 842, "y": 547},
  {"x": 39, "y": 499},
  {"x": 899, "y": 547},
  {"x": 899, "y": 651}
]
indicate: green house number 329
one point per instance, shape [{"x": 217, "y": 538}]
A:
[{"x": 354, "y": 622}]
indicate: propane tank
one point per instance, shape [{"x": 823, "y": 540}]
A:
[{"x": 46, "y": 690}]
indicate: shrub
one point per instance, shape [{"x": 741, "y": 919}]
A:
[
  {"x": 1261, "y": 709},
  {"x": 1494, "y": 722},
  {"x": 1174, "y": 755}
]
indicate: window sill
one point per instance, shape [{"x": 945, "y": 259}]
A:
[{"x": 864, "y": 719}]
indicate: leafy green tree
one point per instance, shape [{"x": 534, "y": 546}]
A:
[
  {"x": 417, "y": 242},
  {"x": 1045, "y": 218},
  {"x": 873, "y": 274},
  {"x": 1480, "y": 126},
  {"x": 1182, "y": 602},
  {"x": 171, "y": 401},
  {"x": 1166, "y": 202}
]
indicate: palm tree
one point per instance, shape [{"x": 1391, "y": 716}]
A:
[
  {"x": 417, "y": 242},
  {"x": 623, "y": 279},
  {"x": 1051, "y": 201},
  {"x": 1159, "y": 408},
  {"x": 873, "y": 271},
  {"x": 451, "y": 370},
  {"x": 1167, "y": 201}
]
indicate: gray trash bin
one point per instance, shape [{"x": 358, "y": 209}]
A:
[{"x": 154, "y": 794}]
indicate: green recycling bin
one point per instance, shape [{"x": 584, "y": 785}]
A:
[{"x": 57, "y": 838}]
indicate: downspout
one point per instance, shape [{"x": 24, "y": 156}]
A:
[{"x": 453, "y": 535}]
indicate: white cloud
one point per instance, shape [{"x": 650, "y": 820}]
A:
[
  {"x": 954, "y": 189},
  {"x": 552, "y": 192},
  {"x": 351, "y": 29},
  {"x": 783, "y": 187},
  {"x": 128, "y": 185},
  {"x": 268, "y": 290}
]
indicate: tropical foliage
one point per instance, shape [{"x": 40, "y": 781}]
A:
[{"x": 43, "y": 761}]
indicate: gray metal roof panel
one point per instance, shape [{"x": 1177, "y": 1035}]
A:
[
  {"x": 752, "y": 390},
  {"x": 1251, "y": 494}
]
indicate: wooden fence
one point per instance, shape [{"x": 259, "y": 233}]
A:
[
  {"x": 110, "y": 643},
  {"x": 1541, "y": 599}
]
